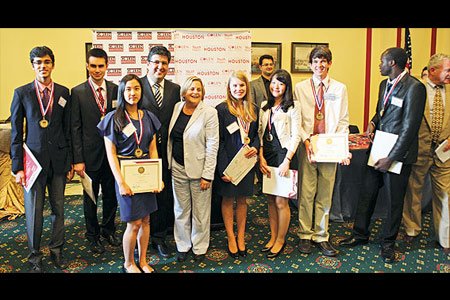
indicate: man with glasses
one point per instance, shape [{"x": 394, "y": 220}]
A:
[
  {"x": 44, "y": 106},
  {"x": 160, "y": 97},
  {"x": 260, "y": 86}
]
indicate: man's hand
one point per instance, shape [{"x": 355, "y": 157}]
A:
[{"x": 383, "y": 164}]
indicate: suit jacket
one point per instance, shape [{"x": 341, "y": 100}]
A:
[
  {"x": 425, "y": 131},
  {"x": 258, "y": 90},
  {"x": 88, "y": 145},
  {"x": 51, "y": 144},
  {"x": 200, "y": 141},
  {"x": 402, "y": 116},
  {"x": 163, "y": 113}
]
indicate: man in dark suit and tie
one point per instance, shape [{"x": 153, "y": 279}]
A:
[
  {"x": 89, "y": 154},
  {"x": 160, "y": 97},
  {"x": 399, "y": 111},
  {"x": 40, "y": 118}
]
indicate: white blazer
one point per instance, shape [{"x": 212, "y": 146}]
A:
[
  {"x": 287, "y": 124},
  {"x": 200, "y": 141}
]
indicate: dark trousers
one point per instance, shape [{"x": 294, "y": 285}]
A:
[
  {"x": 34, "y": 209},
  {"x": 395, "y": 185},
  {"x": 104, "y": 178},
  {"x": 163, "y": 218}
]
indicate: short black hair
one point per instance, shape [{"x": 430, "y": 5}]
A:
[
  {"x": 265, "y": 56},
  {"x": 97, "y": 52},
  {"x": 41, "y": 51}
]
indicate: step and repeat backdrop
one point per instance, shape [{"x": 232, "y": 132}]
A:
[{"x": 212, "y": 56}]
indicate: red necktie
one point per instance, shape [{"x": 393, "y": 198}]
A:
[
  {"x": 319, "y": 115},
  {"x": 100, "y": 97},
  {"x": 46, "y": 100}
]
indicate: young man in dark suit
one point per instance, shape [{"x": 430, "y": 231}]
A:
[
  {"x": 40, "y": 118},
  {"x": 399, "y": 111},
  {"x": 91, "y": 101},
  {"x": 160, "y": 97}
]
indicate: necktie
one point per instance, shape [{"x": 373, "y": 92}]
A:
[
  {"x": 45, "y": 97},
  {"x": 438, "y": 115},
  {"x": 319, "y": 114},
  {"x": 100, "y": 97},
  {"x": 158, "y": 96}
]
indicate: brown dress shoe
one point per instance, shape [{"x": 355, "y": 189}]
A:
[
  {"x": 409, "y": 239},
  {"x": 304, "y": 246},
  {"x": 327, "y": 249}
]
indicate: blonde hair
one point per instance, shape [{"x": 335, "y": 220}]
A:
[
  {"x": 249, "y": 111},
  {"x": 187, "y": 84}
]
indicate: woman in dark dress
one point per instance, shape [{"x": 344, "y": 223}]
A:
[
  {"x": 238, "y": 127},
  {"x": 129, "y": 133},
  {"x": 279, "y": 131}
]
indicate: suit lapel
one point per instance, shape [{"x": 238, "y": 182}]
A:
[
  {"x": 426, "y": 112},
  {"x": 89, "y": 96},
  {"x": 176, "y": 114},
  {"x": 195, "y": 115},
  {"x": 149, "y": 94},
  {"x": 445, "y": 122}
]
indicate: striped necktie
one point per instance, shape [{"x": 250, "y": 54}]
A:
[{"x": 158, "y": 96}]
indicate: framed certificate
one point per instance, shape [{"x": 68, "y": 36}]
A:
[
  {"x": 330, "y": 147},
  {"x": 142, "y": 175}
]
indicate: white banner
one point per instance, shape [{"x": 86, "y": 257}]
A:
[{"x": 212, "y": 56}]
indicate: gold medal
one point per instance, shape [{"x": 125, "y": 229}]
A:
[
  {"x": 269, "y": 137},
  {"x": 43, "y": 123},
  {"x": 319, "y": 116},
  {"x": 138, "y": 152},
  {"x": 246, "y": 140},
  {"x": 381, "y": 112},
  {"x": 102, "y": 117}
]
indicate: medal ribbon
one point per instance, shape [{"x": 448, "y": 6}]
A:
[
  {"x": 41, "y": 104},
  {"x": 386, "y": 96},
  {"x": 269, "y": 121},
  {"x": 138, "y": 140},
  {"x": 97, "y": 100},
  {"x": 319, "y": 102}
]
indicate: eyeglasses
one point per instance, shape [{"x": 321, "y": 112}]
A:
[
  {"x": 267, "y": 65},
  {"x": 40, "y": 62},
  {"x": 157, "y": 62}
]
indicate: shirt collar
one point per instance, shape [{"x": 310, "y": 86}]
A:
[
  {"x": 152, "y": 83},
  {"x": 326, "y": 81},
  {"x": 103, "y": 86},
  {"x": 42, "y": 86}
]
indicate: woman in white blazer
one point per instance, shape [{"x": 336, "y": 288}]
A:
[
  {"x": 279, "y": 133},
  {"x": 192, "y": 153}
]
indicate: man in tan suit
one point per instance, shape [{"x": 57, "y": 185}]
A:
[{"x": 434, "y": 129}]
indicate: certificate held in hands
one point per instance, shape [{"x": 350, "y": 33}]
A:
[
  {"x": 332, "y": 148},
  {"x": 239, "y": 166},
  {"x": 142, "y": 175},
  {"x": 31, "y": 167}
]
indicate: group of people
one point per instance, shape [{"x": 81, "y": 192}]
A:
[{"x": 99, "y": 124}]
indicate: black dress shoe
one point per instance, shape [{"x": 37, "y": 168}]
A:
[
  {"x": 275, "y": 254},
  {"x": 242, "y": 253},
  {"x": 327, "y": 249},
  {"x": 266, "y": 249},
  {"x": 181, "y": 256},
  {"x": 96, "y": 246},
  {"x": 162, "y": 249},
  {"x": 352, "y": 242},
  {"x": 36, "y": 267},
  {"x": 199, "y": 257},
  {"x": 388, "y": 254},
  {"x": 112, "y": 239},
  {"x": 58, "y": 260},
  {"x": 409, "y": 239},
  {"x": 304, "y": 246}
]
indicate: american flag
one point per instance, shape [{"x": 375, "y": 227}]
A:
[{"x": 408, "y": 49}]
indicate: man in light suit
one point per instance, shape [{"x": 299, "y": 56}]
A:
[
  {"x": 192, "y": 154},
  {"x": 44, "y": 106},
  {"x": 158, "y": 60},
  {"x": 428, "y": 162},
  {"x": 91, "y": 101},
  {"x": 399, "y": 111},
  {"x": 260, "y": 86}
]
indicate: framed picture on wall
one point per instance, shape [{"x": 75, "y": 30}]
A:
[
  {"x": 259, "y": 49},
  {"x": 87, "y": 47},
  {"x": 300, "y": 56}
]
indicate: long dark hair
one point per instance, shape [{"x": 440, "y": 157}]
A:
[
  {"x": 288, "y": 98},
  {"x": 120, "y": 121}
]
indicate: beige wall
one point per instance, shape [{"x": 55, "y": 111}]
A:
[{"x": 347, "y": 44}]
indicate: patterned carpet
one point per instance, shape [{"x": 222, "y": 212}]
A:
[{"x": 422, "y": 256}]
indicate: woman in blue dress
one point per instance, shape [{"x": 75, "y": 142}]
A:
[{"x": 129, "y": 133}]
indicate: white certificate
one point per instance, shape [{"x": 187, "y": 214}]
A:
[
  {"x": 381, "y": 146},
  {"x": 239, "y": 166},
  {"x": 443, "y": 156},
  {"x": 330, "y": 147},
  {"x": 86, "y": 183},
  {"x": 142, "y": 175},
  {"x": 280, "y": 185}
]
